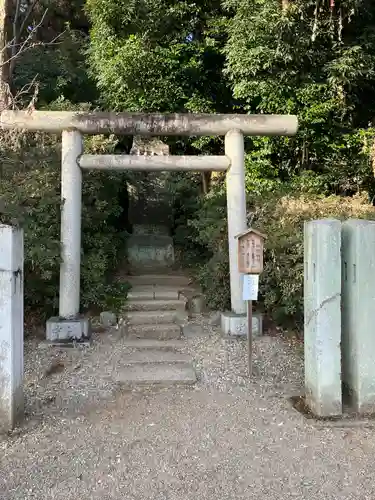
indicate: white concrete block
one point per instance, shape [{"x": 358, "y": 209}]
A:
[
  {"x": 11, "y": 248},
  {"x": 108, "y": 318},
  {"x": 235, "y": 325},
  {"x": 11, "y": 327},
  {"x": 60, "y": 329},
  {"x": 358, "y": 313},
  {"x": 322, "y": 299}
]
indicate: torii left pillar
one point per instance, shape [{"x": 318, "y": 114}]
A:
[{"x": 69, "y": 325}]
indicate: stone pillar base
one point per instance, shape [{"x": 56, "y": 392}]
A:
[
  {"x": 235, "y": 325},
  {"x": 65, "y": 330}
]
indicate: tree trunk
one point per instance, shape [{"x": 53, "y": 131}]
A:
[
  {"x": 372, "y": 156},
  {"x": 204, "y": 183},
  {"x": 5, "y": 10}
]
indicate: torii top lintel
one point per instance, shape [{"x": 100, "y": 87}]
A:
[{"x": 92, "y": 123}]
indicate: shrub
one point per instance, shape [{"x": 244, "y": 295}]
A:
[
  {"x": 281, "y": 217},
  {"x": 208, "y": 232},
  {"x": 30, "y": 197},
  {"x": 283, "y": 220}
]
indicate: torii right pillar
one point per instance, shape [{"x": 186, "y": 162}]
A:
[{"x": 234, "y": 323}]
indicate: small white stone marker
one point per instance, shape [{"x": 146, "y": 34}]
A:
[
  {"x": 11, "y": 327},
  {"x": 322, "y": 297}
]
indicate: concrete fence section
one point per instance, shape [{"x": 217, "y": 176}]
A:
[
  {"x": 322, "y": 316},
  {"x": 358, "y": 313},
  {"x": 339, "y": 315},
  {"x": 11, "y": 327}
]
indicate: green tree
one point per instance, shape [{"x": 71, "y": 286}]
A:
[
  {"x": 48, "y": 45},
  {"x": 158, "y": 55},
  {"x": 315, "y": 59}
]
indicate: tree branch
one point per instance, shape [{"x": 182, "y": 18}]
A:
[
  {"x": 27, "y": 44},
  {"x": 28, "y": 14},
  {"x": 15, "y": 26}
]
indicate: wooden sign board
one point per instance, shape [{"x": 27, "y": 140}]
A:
[{"x": 250, "y": 251}]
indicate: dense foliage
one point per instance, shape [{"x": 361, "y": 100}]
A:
[
  {"x": 312, "y": 58},
  {"x": 281, "y": 215},
  {"x": 155, "y": 55},
  {"x": 30, "y": 197},
  {"x": 316, "y": 61}
]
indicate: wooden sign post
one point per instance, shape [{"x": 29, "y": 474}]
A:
[{"x": 250, "y": 264}]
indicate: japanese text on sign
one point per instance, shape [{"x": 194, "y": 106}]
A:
[
  {"x": 251, "y": 254},
  {"x": 250, "y": 287}
]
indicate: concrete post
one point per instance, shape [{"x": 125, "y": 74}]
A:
[
  {"x": 11, "y": 327},
  {"x": 71, "y": 195},
  {"x": 322, "y": 296},
  {"x": 236, "y": 206},
  {"x": 358, "y": 313}
]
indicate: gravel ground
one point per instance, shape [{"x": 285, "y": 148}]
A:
[{"x": 228, "y": 437}]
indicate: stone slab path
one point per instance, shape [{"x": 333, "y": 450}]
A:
[
  {"x": 226, "y": 437},
  {"x": 155, "y": 311}
]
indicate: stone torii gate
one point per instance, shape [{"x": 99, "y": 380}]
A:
[{"x": 73, "y": 125}]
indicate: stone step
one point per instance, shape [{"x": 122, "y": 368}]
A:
[
  {"x": 168, "y": 345},
  {"x": 159, "y": 279},
  {"x": 153, "y": 317},
  {"x": 152, "y": 331},
  {"x": 149, "y": 250},
  {"x": 150, "y": 229},
  {"x": 156, "y": 374},
  {"x": 155, "y": 356},
  {"x": 148, "y": 292},
  {"x": 155, "y": 305}
]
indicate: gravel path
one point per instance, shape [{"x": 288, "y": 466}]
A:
[{"x": 226, "y": 438}]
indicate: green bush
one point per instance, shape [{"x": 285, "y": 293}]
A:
[
  {"x": 281, "y": 217},
  {"x": 207, "y": 230},
  {"x": 30, "y": 197}
]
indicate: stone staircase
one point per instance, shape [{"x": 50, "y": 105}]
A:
[
  {"x": 157, "y": 305},
  {"x": 152, "y": 320}
]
